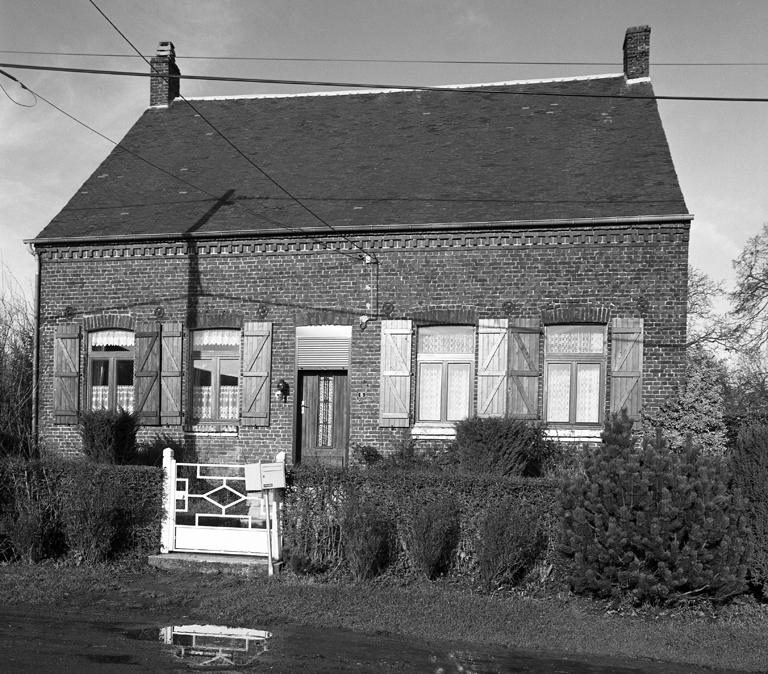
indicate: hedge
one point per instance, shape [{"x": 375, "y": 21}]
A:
[{"x": 89, "y": 512}]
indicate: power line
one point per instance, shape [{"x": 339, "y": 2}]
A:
[
  {"x": 404, "y": 87},
  {"x": 365, "y": 254},
  {"x": 290, "y": 230},
  {"x": 369, "y": 60}
]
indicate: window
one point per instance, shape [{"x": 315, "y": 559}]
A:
[
  {"x": 445, "y": 359},
  {"x": 110, "y": 369},
  {"x": 575, "y": 374},
  {"x": 215, "y": 375}
]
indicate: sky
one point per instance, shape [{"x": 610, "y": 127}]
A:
[{"x": 720, "y": 149}]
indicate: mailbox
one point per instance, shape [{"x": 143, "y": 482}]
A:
[{"x": 261, "y": 476}]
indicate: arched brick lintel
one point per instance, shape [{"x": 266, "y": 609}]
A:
[
  {"x": 109, "y": 322},
  {"x": 581, "y": 314},
  {"x": 445, "y": 317}
]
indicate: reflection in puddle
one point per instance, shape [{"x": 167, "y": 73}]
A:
[{"x": 209, "y": 645}]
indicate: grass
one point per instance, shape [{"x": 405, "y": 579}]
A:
[{"x": 733, "y": 637}]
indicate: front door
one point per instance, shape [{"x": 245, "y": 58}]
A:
[{"x": 323, "y": 421}]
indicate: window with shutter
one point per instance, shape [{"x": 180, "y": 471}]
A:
[
  {"x": 170, "y": 374},
  {"x": 627, "y": 366},
  {"x": 524, "y": 368},
  {"x": 66, "y": 373},
  {"x": 111, "y": 370},
  {"x": 395, "y": 383},
  {"x": 215, "y": 375},
  {"x": 257, "y": 363},
  {"x": 492, "y": 351}
]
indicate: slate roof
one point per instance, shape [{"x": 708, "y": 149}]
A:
[{"x": 384, "y": 160}]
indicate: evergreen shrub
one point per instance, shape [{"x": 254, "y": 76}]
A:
[
  {"x": 652, "y": 524},
  {"x": 749, "y": 465},
  {"x": 367, "y": 537},
  {"x": 109, "y": 436},
  {"x": 433, "y": 535},
  {"x": 502, "y": 445}
]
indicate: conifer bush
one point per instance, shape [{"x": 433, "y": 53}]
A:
[
  {"x": 433, "y": 535},
  {"x": 652, "y": 524},
  {"x": 109, "y": 436},
  {"x": 502, "y": 445},
  {"x": 749, "y": 463},
  {"x": 366, "y": 535}
]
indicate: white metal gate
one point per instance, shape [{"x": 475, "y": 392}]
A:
[{"x": 207, "y": 509}]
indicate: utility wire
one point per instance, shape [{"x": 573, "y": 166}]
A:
[
  {"x": 11, "y": 98},
  {"x": 365, "y": 254},
  {"x": 403, "y": 87},
  {"x": 290, "y": 230},
  {"x": 350, "y": 60}
]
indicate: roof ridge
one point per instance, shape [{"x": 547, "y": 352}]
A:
[{"x": 351, "y": 92}]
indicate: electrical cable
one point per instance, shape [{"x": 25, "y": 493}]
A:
[
  {"x": 403, "y": 87},
  {"x": 365, "y": 254},
  {"x": 350, "y": 60},
  {"x": 11, "y": 98}
]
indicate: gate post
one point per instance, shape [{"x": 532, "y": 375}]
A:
[{"x": 169, "y": 501}]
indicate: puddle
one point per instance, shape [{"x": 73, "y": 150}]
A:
[{"x": 213, "y": 645}]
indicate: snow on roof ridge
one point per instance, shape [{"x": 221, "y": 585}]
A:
[{"x": 352, "y": 92}]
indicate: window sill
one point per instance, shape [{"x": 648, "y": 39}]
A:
[
  {"x": 433, "y": 432},
  {"x": 219, "y": 430},
  {"x": 585, "y": 434}
]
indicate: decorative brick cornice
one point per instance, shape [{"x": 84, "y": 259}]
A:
[{"x": 617, "y": 235}]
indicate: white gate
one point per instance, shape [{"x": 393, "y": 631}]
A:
[{"x": 207, "y": 509}]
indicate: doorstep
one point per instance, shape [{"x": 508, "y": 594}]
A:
[{"x": 199, "y": 562}]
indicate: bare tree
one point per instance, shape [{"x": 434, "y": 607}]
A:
[
  {"x": 16, "y": 349},
  {"x": 708, "y": 327},
  {"x": 750, "y": 299}
]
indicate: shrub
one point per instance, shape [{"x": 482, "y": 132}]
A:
[
  {"x": 109, "y": 436},
  {"x": 510, "y": 541},
  {"x": 653, "y": 524},
  {"x": 366, "y": 454},
  {"x": 433, "y": 535},
  {"x": 367, "y": 537},
  {"x": 749, "y": 463},
  {"x": 502, "y": 445}
]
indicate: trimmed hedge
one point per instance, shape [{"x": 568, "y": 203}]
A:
[
  {"x": 317, "y": 498},
  {"x": 89, "y": 512}
]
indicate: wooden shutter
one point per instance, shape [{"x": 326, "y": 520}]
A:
[
  {"x": 66, "y": 373},
  {"x": 257, "y": 371},
  {"x": 147, "y": 372},
  {"x": 627, "y": 366},
  {"x": 492, "y": 367},
  {"x": 171, "y": 335},
  {"x": 524, "y": 368},
  {"x": 395, "y": 383}
]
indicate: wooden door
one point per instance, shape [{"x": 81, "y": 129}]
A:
[{"x": 323, "y": 422}]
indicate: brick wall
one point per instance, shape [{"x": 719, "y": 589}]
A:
[{"x": 623, "y": 272}]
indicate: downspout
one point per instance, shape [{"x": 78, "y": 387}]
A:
[{"x": 36, "y": 348}]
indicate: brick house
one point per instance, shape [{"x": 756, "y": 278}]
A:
[{"x": 351, "y": 266}]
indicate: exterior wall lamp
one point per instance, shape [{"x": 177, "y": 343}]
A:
[{"x": 282, "y": 391}]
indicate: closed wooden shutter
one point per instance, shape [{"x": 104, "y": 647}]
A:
[
  {"x": 147, "y": 372},
  {"x": 524, "y": 368},
  {"x": 395, "y": 383},
  {"x": 257, "y": 370},
  {"x": 492, "y": 367},
  {"x": 170, "y": 374},
  {"x": 627, "y": 366},
  {"x": 66, "y": 373}
]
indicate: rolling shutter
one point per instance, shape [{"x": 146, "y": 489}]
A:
[
  {"x": 323, "y": 347},
  {"x": 147, "y": 372},
  {"x": 257, "y": 364},
  {"x": 524, "y": 368},
  {"x": 170, "y": 374},
  {"x": 627, "y": 366},
  {"x": 492, "y": 367},
  {"x": 395, "y": 383},
  {"x": 66, "y": 373}
]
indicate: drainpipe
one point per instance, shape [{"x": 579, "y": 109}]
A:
[{"x": 36, "y": 347}]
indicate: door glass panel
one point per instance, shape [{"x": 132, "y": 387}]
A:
[
  {"x": 430, "y": 385},
  {"x": 202, "y": 377},
  {"x": 587, "y": 393},
  {"x": 458, "y": 391},
  {"x": 325, "y": 411},
  {"x": 558, "y": 392}
]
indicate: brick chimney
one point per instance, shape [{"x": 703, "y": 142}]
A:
[
  {"x": 637, "y": 52},
  {"x": 164, "y": 83}
]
